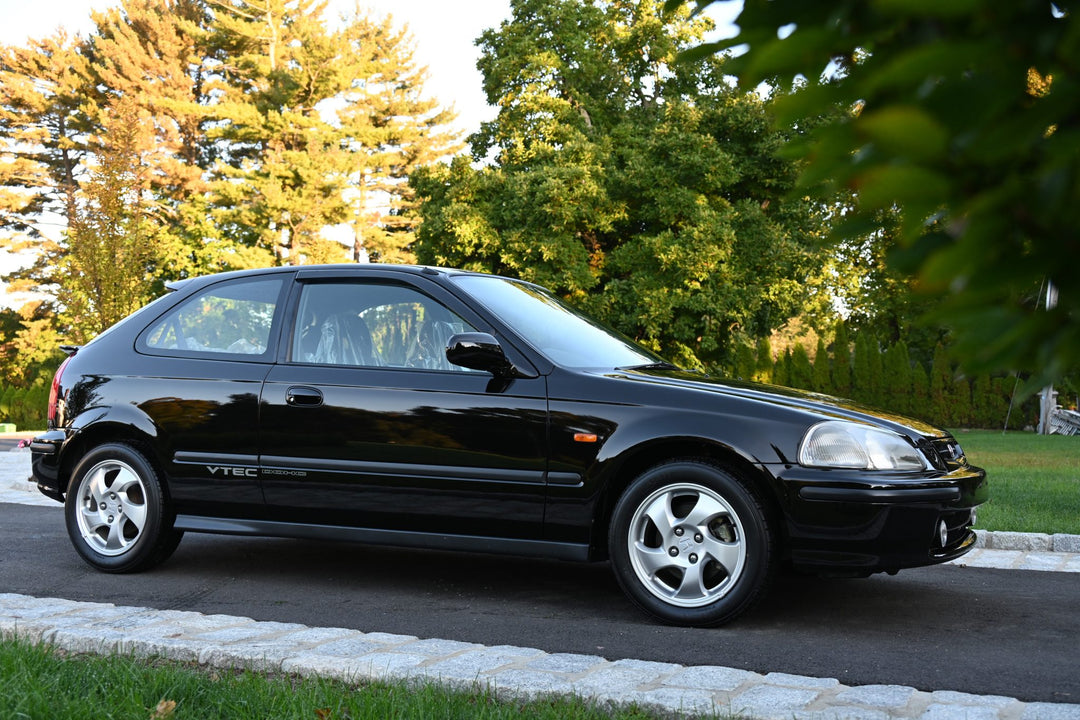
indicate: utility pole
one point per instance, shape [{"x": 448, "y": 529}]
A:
[{"x": 1048, "y": 398}]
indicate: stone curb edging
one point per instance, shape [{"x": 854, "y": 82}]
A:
[
  {"x": 224, "y": 641},
  {"x": 1027, "y": 542}
]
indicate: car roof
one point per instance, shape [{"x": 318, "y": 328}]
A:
[{"x": 360, "y": 268}]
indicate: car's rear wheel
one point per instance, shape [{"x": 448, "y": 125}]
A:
[
  {"x": 116, "y": 511},
  {"x": 690, "y": 544}
]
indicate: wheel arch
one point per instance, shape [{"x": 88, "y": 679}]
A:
[
  {"x": 104, "y": 431},
  {"x": 635, "y": 461}
]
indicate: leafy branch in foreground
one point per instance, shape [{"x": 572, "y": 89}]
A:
[{"x": 962, "y": 115}]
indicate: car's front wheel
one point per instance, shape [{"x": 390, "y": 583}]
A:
[
  {"x": 116, "y": 511},
  {"x": 690, "y": 544}
]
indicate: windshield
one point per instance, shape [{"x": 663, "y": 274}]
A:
[{"x": 562, "y": 334}]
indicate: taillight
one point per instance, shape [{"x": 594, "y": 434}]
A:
[{"x": 54, "y": 392}]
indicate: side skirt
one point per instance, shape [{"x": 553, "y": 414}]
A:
[{"x": 400, "y": 538}]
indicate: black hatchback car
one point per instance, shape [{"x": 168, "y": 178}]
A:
[{"x": 437, "y": 408}]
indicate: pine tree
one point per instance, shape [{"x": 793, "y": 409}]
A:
[
  {"x": 320, "y": 127},
  {"x": 841, "y": 373},
  {"x": 987, "y": 408},
  {"x": 920, "y": 394},
  {"x": 896, "y": 385},
  {"x": 960, "y": 403},
  {"x": 781, "y": 374},
  {"x": 394, "y": 129},
  {"x": 44, "y": 124},
  {"x": 745, "y": 362},
  {"x": 822, "y": 369},
  {"x": 940, "y": 387},
  {"x": 763, "y": 371},
  {"x": 802, "y": 372},
  {"x": 864, "y": 385},
  {"x": 149, "y": 54}
]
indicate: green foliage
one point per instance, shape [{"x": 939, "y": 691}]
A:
[
  {"x": 112, "y": 251},
  {"x": 781, "y": 374},
  {"x": 920, "y": 393},
  {"x": 764, "y": 364},
  {"x": 647, "y": 190},
  {"x": 802, "y": 373},
  {"x": 29, "y": 346},
  {"x": 891, "y": 381},
  {"x": 987, "y": 410},
  {"x": 43, "y": 682},
  {"x": 822, "y": 380},
  {"x": 866, "y": 375},
  {"x": 26, "y": 408},
  {"x": 745, "y": 362},
  {"x": 841, "y": 369},
  {"x": 959, "y": 400},
  {"x": 896, "y": 381},
  {"x": 962, "y": 117},
  {"x": 940, "y": 382}
]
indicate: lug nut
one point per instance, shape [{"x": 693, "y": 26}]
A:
[
  {"x": 698, "y": 538},
  {"x": 673, "y": 552},
  {"x": 678, "y": 532},
  {"x": 693, "y": 558}
]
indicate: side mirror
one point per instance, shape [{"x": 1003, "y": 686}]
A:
[{"x": 481, "y": 351}]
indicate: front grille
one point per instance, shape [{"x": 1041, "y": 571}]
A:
[{"x": 947, "y": 453}]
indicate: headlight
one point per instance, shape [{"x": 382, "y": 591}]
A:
[{"x": 839, "y": 444}]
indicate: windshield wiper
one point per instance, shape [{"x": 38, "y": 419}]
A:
[{"x": 662, "y": 365}]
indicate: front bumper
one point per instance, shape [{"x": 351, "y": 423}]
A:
[{"x": 857, "y": 523}]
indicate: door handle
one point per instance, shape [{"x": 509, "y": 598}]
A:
[{"x": 300, "y": 396}]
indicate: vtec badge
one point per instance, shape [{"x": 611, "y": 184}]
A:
[{"x": 223, "y": 471}]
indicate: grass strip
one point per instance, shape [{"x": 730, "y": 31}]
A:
[
  {"x": 1034, "y": 480},
  {"x": 41, "y": 681}
]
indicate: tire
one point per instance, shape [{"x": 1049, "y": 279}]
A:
[
  {"x": 690, "y": 544},
  {"x": 116, "y": 511}
]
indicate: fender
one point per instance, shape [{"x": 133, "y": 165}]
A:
[{"x": 128, "y": 416}]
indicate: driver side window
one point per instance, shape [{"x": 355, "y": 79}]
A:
[{"x": 374, "y": 325}]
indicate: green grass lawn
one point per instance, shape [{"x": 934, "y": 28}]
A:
[{"x": 1034, "y": 480}]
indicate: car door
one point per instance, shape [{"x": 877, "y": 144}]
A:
[{"x": 366, "y": 424}]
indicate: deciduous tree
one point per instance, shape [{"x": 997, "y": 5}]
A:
[{"x": 647, "y": 190}]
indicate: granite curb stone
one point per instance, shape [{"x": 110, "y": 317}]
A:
[{"x": 514, "y": 672}]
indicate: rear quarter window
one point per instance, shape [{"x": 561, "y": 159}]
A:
[{"x": 227, "y": 319}]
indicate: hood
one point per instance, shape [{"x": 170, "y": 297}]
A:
[{"x": 826, "y": 406}]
